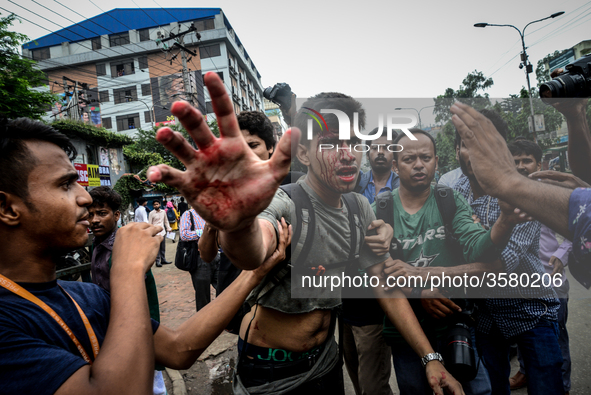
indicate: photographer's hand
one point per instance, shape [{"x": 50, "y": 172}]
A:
[{"x": 437, "y": 305}]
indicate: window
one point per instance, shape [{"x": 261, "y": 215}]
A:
[
  {"x": 101, "y": 69},
  {"x": 209, "y": 51},
  {"x": 41, "y": 54},
  {"x": 107, "y": 123},
  {"x": 96, "y": 43},
  {"x": 147, "y": 116},
  {"x": 121, "y": 69},
  {"x": 221, "y": 75},
  {"x": 104, "y": 96},
  {"x": 146, "y": 90},
  {"x": 126, "y": 122},
  {"x": 125, "y": 95},
  {"x": 144, "y": 34},
  {"x": 143, "y": 62},
  {"x": 205, "y": 25},
  {"x": 208, "y": 107},
  {"x": 119, "y": 39},
  {"x": 236, "y": 108}
]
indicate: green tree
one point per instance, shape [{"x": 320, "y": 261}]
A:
[
  {"x": 17, "y": 76},
  {"x": 543, "y": 72},
  {"x": 470, "y": 92}
]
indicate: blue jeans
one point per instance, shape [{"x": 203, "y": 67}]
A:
[
  {"x": 541, "y": 356},
  {"x": 410, "y": 373},
  {"x": 563, "y": 342}
]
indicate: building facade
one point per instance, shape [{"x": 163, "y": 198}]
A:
[{"x": 123, "y": 69}]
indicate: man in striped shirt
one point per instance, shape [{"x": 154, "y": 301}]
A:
[{"x": 205, "y": 273}]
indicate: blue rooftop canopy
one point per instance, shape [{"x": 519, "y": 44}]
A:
[{"x": 120, "y": 20}]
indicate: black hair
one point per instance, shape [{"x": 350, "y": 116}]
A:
[
  {"x": 499, "y": 123},
  {"x": 104, "y": 195},
  {"x": 17, "y": 161},
  {"x": 156, "y": 201},
  {"x": 415, "y": 131},
  {"x": 182, "y": 199},
  {"x": 257, "y": 124},
  {"x": 526, "y": 147},
  {"x": 328, "y": 100},
  {"x": 141, "y": 200}
]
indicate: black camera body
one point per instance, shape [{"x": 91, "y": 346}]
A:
[
  {"x": 279, "y": 94},
  {"x": 458, "y": 352},
  {"x": 574, "y": 82}
]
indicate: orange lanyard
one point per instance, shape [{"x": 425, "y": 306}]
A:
[{"x": 16, "y": 289}]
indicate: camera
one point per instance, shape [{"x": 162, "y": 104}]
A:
[
  {"x": 279, "y": 94},
  {"x": 458, "y": 352},
  {"x": 574, "y": 82}
]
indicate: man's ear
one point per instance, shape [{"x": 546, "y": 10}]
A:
[
  {"x": 395, "y": 166},
  {"x": 117, "y": 215},
  {"x": 458, "y": 153},
  {"x": 11, "y": 209},
  {"x": 436, "y": 162},
  {"x": 302, "y": 154},
  {"x": 539, "y": 166}
]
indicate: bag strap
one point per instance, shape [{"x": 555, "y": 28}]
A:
[
  {"x": 446, "y": 203},
  {"x": 385, "y": 211},
  {"x": 305, "y": 224},
  {"x": 192, "y": 221},
  {"x": 353, "y": 212}
]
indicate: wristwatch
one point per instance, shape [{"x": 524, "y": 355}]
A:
[{"x": 431, "y": 357}]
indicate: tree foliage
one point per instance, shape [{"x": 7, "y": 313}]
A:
[
  {"x": 469, "y": 93},
  {"x": 542, "y": 72},
  {"x": 17, "y": 76},
  {"x": 91, "y": 133}
]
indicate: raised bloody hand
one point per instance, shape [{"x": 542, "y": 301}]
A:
[{"x": 226, "y": 183}]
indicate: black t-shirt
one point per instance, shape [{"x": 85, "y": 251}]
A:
[
  {"x": 183, "y": 206},
  {"x": 36, "y": 354}
]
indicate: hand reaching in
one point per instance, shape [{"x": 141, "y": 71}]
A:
[{"x": 226, "y": 183}]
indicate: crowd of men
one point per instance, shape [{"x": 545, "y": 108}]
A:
[{"x": 494, "y": 216}]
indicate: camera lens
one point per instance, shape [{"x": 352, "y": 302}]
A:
[
  {"x": 459, "y": 356},
  {"x": 268, "y": 93},
  {"x": 565, "y": 85}
]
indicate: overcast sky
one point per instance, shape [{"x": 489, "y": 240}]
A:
[{"x": 372, "y": 48}]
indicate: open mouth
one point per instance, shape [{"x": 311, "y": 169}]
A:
[
  {"x": 419, "y": 177},
  {"x": 347, "y": 174}
]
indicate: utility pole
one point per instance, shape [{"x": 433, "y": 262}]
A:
[{"x": 184, "y": 50}]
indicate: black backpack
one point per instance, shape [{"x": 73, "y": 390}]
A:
[
  {"x": 302, "y": 239},
  {"x": 170, "y": 215},
  {"x": 444, "y": 196}
]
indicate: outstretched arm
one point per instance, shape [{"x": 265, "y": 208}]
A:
[
  {"x": 181, "y": 347},
  {"x": 125, "y": 363},
  {"x": 495, "y": 171},
  {"x": 401, "y": 314},
  {"x": 226, "y": 183}
]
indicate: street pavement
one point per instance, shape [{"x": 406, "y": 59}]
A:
[{"x": 212, "y": 373}]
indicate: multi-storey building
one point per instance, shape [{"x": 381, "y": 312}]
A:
[{"x": 124, "y": 68}]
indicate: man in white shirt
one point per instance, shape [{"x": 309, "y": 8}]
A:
[
  {"x": 158, "y": 217},
  {"x": 141, "y": 214}
]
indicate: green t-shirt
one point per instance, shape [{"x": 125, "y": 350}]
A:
[{"x": 422, "y": 236}]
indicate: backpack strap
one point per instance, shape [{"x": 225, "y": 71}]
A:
[
  {"x": 363, "y": 181},
  {"x": 385, "y": 211},
  {"x": 353, "y": 211},
  {"x": 446, "y": 203},
  {"x": 305, "y": 224}
]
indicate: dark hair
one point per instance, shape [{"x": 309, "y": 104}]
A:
[
  {"x": 156, "y": 201},
  {"x": 141, "y": 200},
  {"x": 257, "y": 124},
  {"x": 17, "y": 161},
  {"x": 182, "y": 199},
  {"x": 496, "y": 120},
  {"x": 104, "y": 195},
  {"x": 328, "y": 100},
  {"x": 415, "y": 131},
  {"x": 526, "y": 147},
  {"x": 375, "y": 131}
]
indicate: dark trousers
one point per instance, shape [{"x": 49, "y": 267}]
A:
[
  {"x": 203, "y": 276},
  {"x": 541, "y": 356},
  {"x": 161, "y": 253}
]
